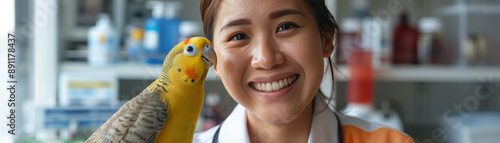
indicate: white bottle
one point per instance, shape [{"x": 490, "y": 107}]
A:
[
  {"x": 371, "y": 39},
  {"x": 102, "y": 42}
]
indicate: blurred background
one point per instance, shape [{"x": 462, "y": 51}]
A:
[{"x": 428, "y": 68}]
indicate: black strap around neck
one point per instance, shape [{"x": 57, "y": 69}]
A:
[
  {"x": 216, "y": 135},
  {"x": 339, "y": 129}
]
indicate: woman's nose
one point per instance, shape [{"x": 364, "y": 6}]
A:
[{"x": 266, "y": 55}]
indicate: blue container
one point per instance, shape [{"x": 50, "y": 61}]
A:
[{"x": 161, "y": 32}]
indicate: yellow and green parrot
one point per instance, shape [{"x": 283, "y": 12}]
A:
[{"x": 168, "y": 109}]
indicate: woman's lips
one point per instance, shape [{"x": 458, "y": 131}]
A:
[
  {"x": 274, "y": 88},
  {"x": 275, "y": 85}
]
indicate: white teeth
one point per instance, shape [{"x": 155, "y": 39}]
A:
[
  {"x": 275, "y": 85},
  {"x": 269, "y": 87}
]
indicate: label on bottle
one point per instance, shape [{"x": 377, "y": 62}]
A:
[{"x": 151, "y": 40}]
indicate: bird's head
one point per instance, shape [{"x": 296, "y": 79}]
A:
[{"x": 188, "y": 62}]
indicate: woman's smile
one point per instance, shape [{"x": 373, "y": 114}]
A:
[{"x": 274, "y": 87}]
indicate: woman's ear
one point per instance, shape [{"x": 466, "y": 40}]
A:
[{"x": 327, "y": 44}]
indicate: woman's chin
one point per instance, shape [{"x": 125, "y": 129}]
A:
[{"x": 277, "y": 116}]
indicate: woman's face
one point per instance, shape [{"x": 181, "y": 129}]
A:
[{"x": 270, "y": 56}]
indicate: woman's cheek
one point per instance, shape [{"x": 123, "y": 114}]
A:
[
  {"x": 229, "y": 65},
  {"x": 231, "y": 68}
]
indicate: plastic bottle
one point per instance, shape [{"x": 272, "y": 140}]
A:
[
  {"x": 360, "y": 92},
  {"x": 372, "y": 39},
  {"x": 152, "y": 29},
  {"x": 172, "y": 24},
  {"x": 360, "y": 84},
  {"x": 350, "y": 39},
  {"x": 405, "y": 41},
  {"x": 161, "y": 32},
  {"x": 429, "y": 44},
  {"x": 102, "y": 42},
  {"x": 134, "y": 45}
]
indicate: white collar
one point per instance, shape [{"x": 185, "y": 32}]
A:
[
  {"x": 323, "y": 129},
  {"x": 324, "y": 125},
  {"x": 234, "y": 128}
]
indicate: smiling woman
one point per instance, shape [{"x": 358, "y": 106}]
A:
[{"x": 270, "y": 58}]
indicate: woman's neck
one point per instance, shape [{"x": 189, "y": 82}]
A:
[{"x": 295, "y": 131}]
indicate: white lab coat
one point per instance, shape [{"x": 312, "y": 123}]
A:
[{"x": 234, "y": 128}]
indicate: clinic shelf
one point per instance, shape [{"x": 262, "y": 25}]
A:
[
  {"x": 131, "y": 71},
  {"x": 470, "y": 8},
  {"x": 83, "y": 116},
  {"x": 429, "y": 73},
  {"x": 391, "y": 73}
]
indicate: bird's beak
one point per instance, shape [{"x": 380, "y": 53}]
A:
[{"x": 209, "y": 57}]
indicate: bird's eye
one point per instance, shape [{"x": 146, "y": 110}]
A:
[
  {"x": 207, "y": 47},
  {"x": 191, "y": 50}
]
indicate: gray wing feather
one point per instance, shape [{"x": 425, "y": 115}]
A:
[{"x": 138, "y": 120}]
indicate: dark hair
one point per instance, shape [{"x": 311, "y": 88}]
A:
[{"x": 324, "y": 19}]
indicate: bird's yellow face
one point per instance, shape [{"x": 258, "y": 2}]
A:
[{"x": 191, "y": 61}]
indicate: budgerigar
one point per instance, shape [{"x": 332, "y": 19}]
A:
[{"x": 168, "y": 109}]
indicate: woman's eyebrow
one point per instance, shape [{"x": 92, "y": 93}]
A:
[
  {"x": 284, "y": 12},
  {"x": 237, "y": 22}
]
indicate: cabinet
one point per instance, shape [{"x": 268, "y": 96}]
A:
[{"x": 420, "y": 94}]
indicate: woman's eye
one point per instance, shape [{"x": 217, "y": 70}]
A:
[
  {"x": 286, "y": 26},
  {"x": 238, "y": 36}
]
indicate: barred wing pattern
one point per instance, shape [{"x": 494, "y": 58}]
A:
[{"x": 137, "y": 121}]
